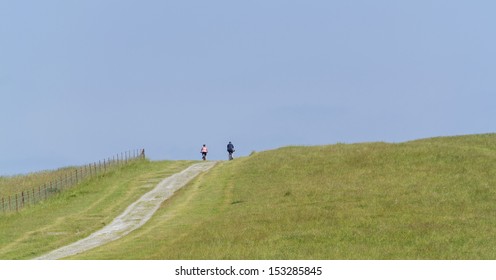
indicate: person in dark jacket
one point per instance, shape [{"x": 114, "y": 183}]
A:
[{"x": 230, "y": 150}]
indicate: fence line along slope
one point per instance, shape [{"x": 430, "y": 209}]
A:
[{"x": 17, "y": 192}]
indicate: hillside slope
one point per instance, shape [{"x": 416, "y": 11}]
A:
[
  {"x": 76, "y": 213},
  {"x": 426, "y": 199}
]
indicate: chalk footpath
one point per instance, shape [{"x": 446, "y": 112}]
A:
[{"x": 136, "y": 215}]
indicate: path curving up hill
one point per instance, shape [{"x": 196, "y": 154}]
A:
[{"x": 136, "y": 215}]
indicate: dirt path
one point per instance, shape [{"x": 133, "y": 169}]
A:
[{"x": 136, "y": 215}]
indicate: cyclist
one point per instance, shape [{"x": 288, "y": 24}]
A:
[
  {"x": 204, "y": 151},
  {"x": 230, "y": 150}
]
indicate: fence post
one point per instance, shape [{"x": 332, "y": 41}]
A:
[{"x": 17, "y": 206}]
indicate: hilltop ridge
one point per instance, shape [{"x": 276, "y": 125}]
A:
[{"x": 423, "y": 199}]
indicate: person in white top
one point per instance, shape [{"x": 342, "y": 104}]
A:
[{"x": 204, "y": 151}]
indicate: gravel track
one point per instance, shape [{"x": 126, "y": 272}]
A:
[{"x": 136, "y": 215}]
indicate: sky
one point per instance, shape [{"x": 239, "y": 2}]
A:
[{"x": 83, "y": 80}]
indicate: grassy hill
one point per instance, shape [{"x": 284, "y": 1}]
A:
[
  {"x": 426, "y": 199},
  {"x": 79, "y": 211}
]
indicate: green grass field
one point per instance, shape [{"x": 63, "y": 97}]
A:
[
  {"x": 425, "y": 199},
  {"x": 79, "y": 211}
]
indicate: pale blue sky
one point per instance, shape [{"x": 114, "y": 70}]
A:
[{"x": 83, "y": 80}]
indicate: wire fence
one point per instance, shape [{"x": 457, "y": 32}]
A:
[{"x": 34, "y": 195}]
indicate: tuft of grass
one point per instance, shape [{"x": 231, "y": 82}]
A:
[{"x": 426, "y": 199}]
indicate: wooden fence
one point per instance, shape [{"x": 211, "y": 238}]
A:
[{"x": 36, "y": 194}]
